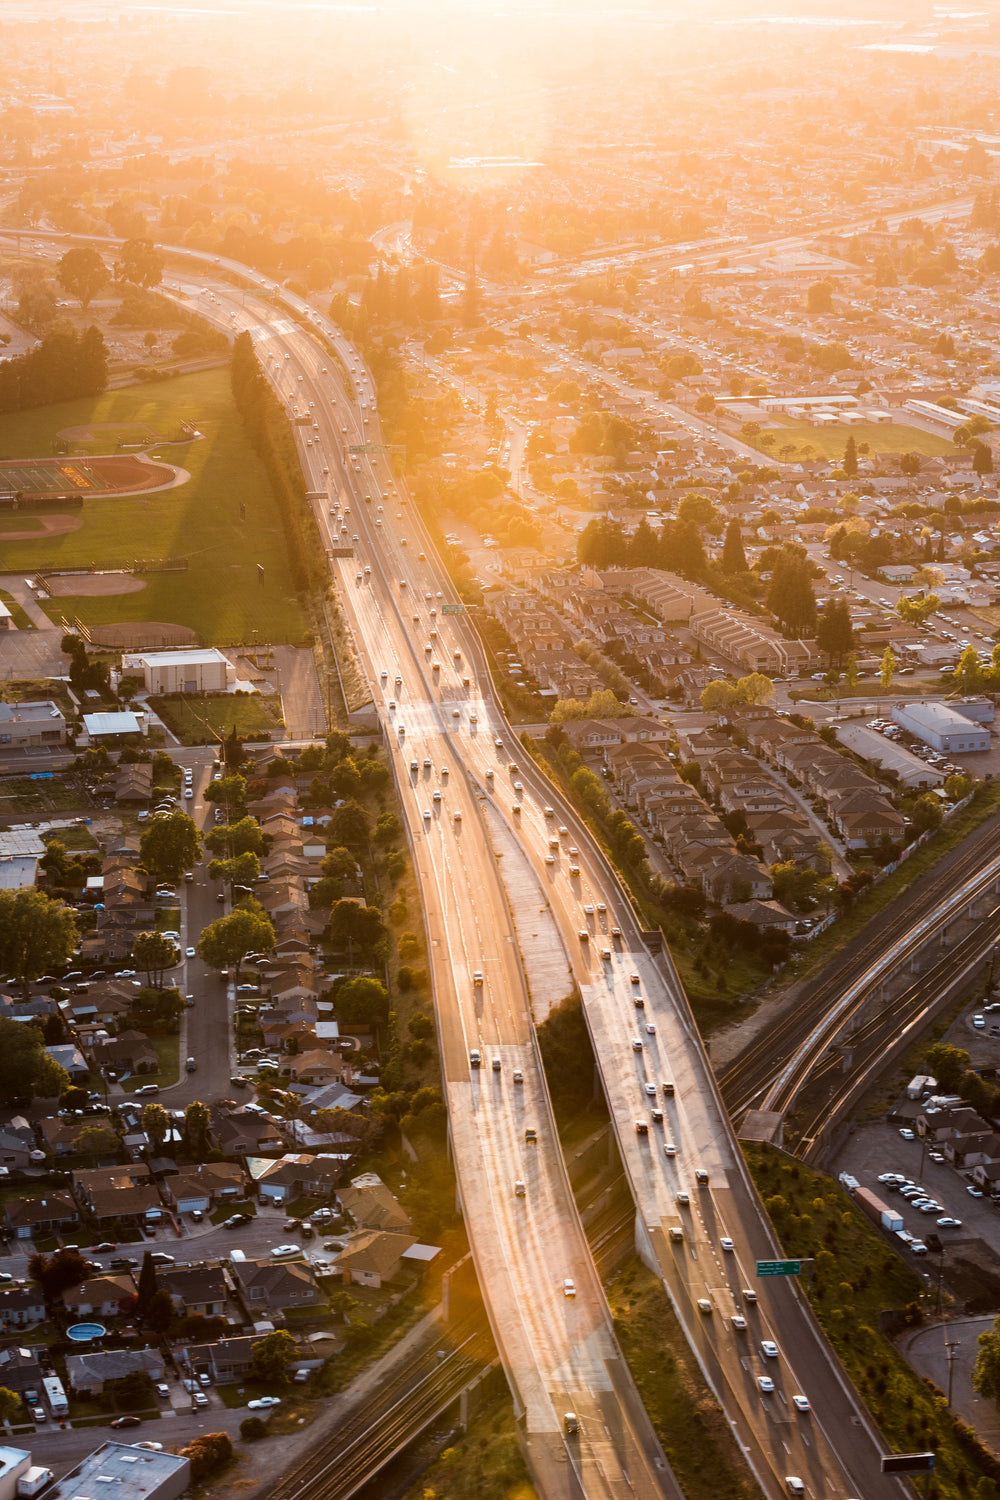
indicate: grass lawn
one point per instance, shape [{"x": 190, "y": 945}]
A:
[
  {"x": 168, "y": 1050},
  {"x": 219, "y": 596},
  {"x": 828, "y": 442},
  {"x": 221, "y": 712},
  {"x": 226, "y": 1211},
  {"x": 21, "y": 620}
]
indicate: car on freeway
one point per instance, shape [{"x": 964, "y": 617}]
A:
[
  {"x": 766, "y": 1384},
  {"x": 682, "y": 1198},
  {"x": 801, "y": 1403},
  {"x": 651, "y": 1089},
  {"x": 739, "y": 1323},
  {"x": 727, "y": 1243},
  {"x": 569, "y": 1287},
  {"x": 748, "y": 1295},
  {"x": 704, "y": 1306},
  {"x": 769, "y": 1348},
  {"x": 669, "y": 1149}
]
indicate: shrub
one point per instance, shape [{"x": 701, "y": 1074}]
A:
[{"x": 252, "y": 1429}]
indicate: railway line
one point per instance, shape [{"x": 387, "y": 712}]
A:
[
  {"x": 779, "y": 1061},
  {"x": 404, "y": 1406}
]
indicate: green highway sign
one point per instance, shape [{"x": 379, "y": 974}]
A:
[
  {"x": 453, "y": 609},
  {"x": 779, "y": 1267}
]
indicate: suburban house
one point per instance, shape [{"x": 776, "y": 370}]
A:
[
  {"x": 373, "y": 1257},
  {"x": 91, "y": 1374},
  {"x": 372, "y": 1205},
  {"x": 21, "y": 1306},
  {"x": 100, "y": 1297},
  {"x": 269, "y": 1287},
  {"x": 26, "y": 1217},
  {"x": 225, "y": 1361},
  {"x": 196, "y": 1289}
]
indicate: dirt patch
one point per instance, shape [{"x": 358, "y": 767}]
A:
[
  {"x": 142, "y": 635},
  {"x": 91, "y": 585},
  {"x": 108, "y": 474},
  {"x": 124, "y": 473},
  {"x": 46, "y": 526}
]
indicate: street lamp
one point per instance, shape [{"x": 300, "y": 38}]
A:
[{"x": 950, "y": 1348}]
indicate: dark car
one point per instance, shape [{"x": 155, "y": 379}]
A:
[
  {"x": 104, "y": 1248},
  {"x": 123, "y": 1263},
  {"x": 236, "y": 1221},
  {"x": 127, "y": 1422}
]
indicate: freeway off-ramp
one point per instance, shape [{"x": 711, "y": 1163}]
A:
[{"x": 558, "y": 1350}]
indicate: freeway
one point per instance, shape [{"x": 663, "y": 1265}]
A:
[
  {"x": 439, "y": 715},
  {"x": 546, "y": 1306}
]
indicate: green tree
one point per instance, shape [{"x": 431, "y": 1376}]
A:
[
  {"x": 363, "y": 999},
  {"x": 97, "y": 1141},
  {"x": 230, "y": 791},
  {"x": 160, "y": 1312},
  {"x": 37, "y": 933},
  {"x": 948, "y": 1065},
  {"x": 916, "y": 611},
  {"x": 982, "y": 459},
  {"x": 10, "y": 1406},
  {"x": 849, "y": 463},
  {"x": 153, "y": 954},
  {"x": 790, "y": 596},
  {"x": 197, "y": 1128},
  {"x": 734, "y": 559},
  {"x": 819, "y": 298},
  {"x": 26, "y": 1069},
  {"x": 271, "y": 1356},
  {"x": 888, "y": 670},
  {"x": 834, "y": 631},
  {"x": 148, "y": 1281},
  {"x": 755, "y": 688},
  {"x": 57, "y": 1273},
  {"x": 967, "y": 676},
  {"x": 242, "y": 869},
  {"x": 349, "y": 824},
  {"x": 232, "y": 839},
  {"x": 82, "y": 273},
  {"x": 698, "y": 510},
  {"x": 719, "y": 696},
  {"x": 227, "y": 941},
  {"x": 354, "y": 924},
  {"x": 170, "y": 845},
  {"x": 986, "y": 1371},
  {"x": 156, "y": 1124},
  {"x": 141, "y": 264}
]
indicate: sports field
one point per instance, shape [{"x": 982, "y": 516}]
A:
[
  {"x": 219, "y": 596},
  {"x": 829, "y": 442}
]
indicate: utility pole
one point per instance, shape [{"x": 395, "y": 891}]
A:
[{"x": 950, "y": 1348}]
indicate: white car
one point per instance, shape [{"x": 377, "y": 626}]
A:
[
  {"x": 769, "y": 1348},
  {"x": 727, "y": 1243},
  {"x": 190, "y": 953},
  {"x": 282, "y": 1252},
  {"x": 263, "y": 1403},
  {"x": 766, "y": 1384},
  {"x": 569, "y": 1287}
]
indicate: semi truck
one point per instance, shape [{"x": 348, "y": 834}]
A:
[{"x": 878, "y": 1211}]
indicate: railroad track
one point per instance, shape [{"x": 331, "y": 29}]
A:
[
  {"x": 749, "y": 1079},
  {"x": 831, "y": 1096},
  {"x": 405, "y": 1404}
]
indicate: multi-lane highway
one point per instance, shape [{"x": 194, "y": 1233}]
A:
[
  {"x": 453, "y": 755},
  {"x": 699, "y": 1223}
]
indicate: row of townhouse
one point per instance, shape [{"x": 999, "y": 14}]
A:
[
  {"x": 128, "y": 903},
  {"x": 740, "y": 783},
  {"x": 698, "y": 843},
  {"x": 855, "y": 803}
]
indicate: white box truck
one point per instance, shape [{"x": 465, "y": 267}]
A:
[{"x": 33, "y": 1481}]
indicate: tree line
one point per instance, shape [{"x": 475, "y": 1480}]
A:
[
  {"x": 64, "y": 366},
  {"x": 266, "y": 426}
]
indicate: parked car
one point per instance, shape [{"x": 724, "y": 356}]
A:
[{"x": 263, "y": 1403}]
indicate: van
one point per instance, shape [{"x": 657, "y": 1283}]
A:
[{"x": 237, "y": 1257}]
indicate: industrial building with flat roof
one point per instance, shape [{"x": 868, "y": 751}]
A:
[
  {"x": 126, "y": 1472},
  {"x": 199, "y": 671},
  {"x": 31, "y": 724},
  {"x": 14, "y": 1462},
  {"x": 941, "y": 727}
]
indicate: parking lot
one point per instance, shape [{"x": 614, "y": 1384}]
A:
[{"x": 912, "y": 769}]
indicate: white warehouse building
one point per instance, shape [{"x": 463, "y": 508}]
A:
[
  {"x": 205, "y": 671},
  {"x": 941, "y": 727}
]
